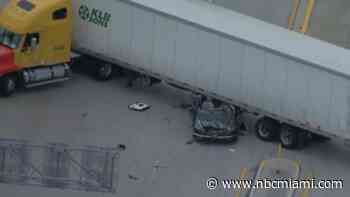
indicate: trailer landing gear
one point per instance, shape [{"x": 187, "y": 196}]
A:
[
  {"x": 104, "y": 72},
  {"x": 141, "y": 81}
]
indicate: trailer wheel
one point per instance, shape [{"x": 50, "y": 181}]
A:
[
  {"x": 289, "y": 137},
  {"x": 267, "y": 129},
  {"x": 104, "y": 72},
  {"x": 8, "y": 85}
]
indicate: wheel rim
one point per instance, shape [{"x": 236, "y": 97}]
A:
[
  {"x": 105, "y": 71},
  {"x": 263, "y": 131},
  {"x": 287, "y": 137}
]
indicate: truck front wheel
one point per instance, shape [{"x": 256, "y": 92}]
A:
[
  {"x": 267, "y": 129},
  {"x": 8, "y": 85}
]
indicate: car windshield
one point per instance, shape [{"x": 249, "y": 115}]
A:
[
  {"x": 214, "y": 118},
  {"x": 9, "y": 39}
]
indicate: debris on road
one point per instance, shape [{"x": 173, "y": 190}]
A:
[
  {"x": 133, "y": 177},
  {"x": 122, "y": 147},
  {"x": 232, "y": 150},
  {"x": 140, "y": 107},
  {"x": 190, "y": 142},
  {"x": 157, "y": 165},
  {"x": 85, "y": 114}
]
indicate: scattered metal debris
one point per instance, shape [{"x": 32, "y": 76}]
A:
[
  {"x": 133, "y": 177},
  {"x": 156, "y": 168},
  {"x": 232, "y": 150},
  {"x": 190, "y": 142},
  {"x": 140, "y": 107},
  {"x": 140, "y": 81},
  {"x": 157, "y": 165},
  {"x": 122, "y": 147}
]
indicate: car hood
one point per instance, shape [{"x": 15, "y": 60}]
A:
[{"x": 214, "y": 122}]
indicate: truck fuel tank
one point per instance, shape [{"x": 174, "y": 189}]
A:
[{"x": 46, "y": 74}]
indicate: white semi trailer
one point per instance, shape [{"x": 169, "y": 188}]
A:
[
  {"x": 293, "y": 81},
  {"x": 296, "y": 84}
]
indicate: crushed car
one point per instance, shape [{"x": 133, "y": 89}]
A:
[{"x": 213, "y": 121}]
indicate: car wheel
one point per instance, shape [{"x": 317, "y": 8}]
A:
[
  {"x": 8, "y": 85},
  {"x": 267, "y": 129}
]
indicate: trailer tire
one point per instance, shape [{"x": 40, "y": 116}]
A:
[
  {"x": 8, "y": 85},
  {"x": 104, "y": 72},
  {"x": 290, "y": 137},
  {"x": 267, "y": 129}
]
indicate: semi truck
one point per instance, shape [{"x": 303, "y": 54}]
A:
[
  {"x": 35, "y": 48},
  {"x": 295, "y": 85}
]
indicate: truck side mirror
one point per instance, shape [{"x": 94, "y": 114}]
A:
[{"x": 34, "y": 43}]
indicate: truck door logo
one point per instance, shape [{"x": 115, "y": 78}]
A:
[{"x": 95, "y": 16}]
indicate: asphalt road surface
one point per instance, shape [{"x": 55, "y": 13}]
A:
[
  {"x": 329, "y": 20},
  {"x": 160, "y": 158}
]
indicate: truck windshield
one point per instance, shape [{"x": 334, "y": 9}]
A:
[{"x": 9, "y": 39}]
